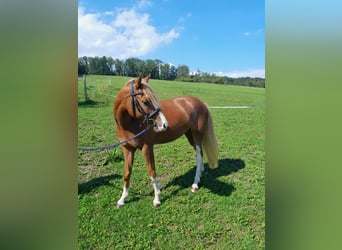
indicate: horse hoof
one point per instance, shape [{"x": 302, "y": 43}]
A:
[
  {"x": 156, "y": 204},
  {"x": 194, "y": 188},
  {"x": 118, "y": 205}
]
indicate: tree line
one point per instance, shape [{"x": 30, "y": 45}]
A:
[{"x": 134, "y": 67}]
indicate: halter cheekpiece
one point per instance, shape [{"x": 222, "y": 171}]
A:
[{"x": 147, "y": 117}]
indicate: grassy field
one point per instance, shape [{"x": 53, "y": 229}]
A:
[{"x": 228, "y": 211}]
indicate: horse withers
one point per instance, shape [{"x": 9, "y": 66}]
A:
[{"x": 136, "y": 108}]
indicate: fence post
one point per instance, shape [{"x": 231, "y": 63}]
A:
[{"x": 86, "y": 99}]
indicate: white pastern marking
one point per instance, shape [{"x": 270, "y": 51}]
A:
[
  {"x": 194, "y": 188},
  {"x": 124, "y": 195},
  {"x": 156, "y": 201},
  {"x": 198, "y": 155},
  {"x": 198, "y": 169}
]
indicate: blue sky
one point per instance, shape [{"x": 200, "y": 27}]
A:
[{"x": 224, "y": 37}]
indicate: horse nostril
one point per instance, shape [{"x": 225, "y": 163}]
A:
[{"x": 165, "y": 125}]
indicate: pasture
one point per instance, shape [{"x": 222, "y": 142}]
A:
[{"x": 228, "y": 211}]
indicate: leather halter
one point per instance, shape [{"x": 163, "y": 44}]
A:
[{"x": 135, "y": 103}]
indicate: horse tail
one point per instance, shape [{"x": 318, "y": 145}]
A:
[{"x": 210, "y": 144}]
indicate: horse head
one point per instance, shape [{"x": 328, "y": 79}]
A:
[{"x": 145, "y": 101}]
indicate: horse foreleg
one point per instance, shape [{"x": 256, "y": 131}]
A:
[
  {"x": 149, "y": 157},
  {"x": 199, "y": 169},
  {"x": 129, "y": 157}
]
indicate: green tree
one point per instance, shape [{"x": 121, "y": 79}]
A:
[
  {"x": 119, "y": 67},
  {"x": 165, "y": 71},
  {"x": 132, "y": 67},
  {"x": 183, "y": 71},
  {"x": 93, "y": 65},
  {"x": 103, "y": 66},
  {"x": 111, "y": 63},
  {"x": 158, "y": 69},
  {"x": 82, "y": 65},
  {"x": 173, "y": 73},
  {"x": 141, "y": 67},
  {"x": 159, "y": 64},
  {"x": 151, "y": 67}
]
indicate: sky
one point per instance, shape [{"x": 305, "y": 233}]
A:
[{"x": 222, "y": 37}]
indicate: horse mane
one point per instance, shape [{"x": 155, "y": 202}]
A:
[
  {"x": 149, "y": 93},
  {"x": 146, "y": 89}
]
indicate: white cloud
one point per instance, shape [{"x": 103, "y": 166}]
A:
[
  {"x": 128, "y": 34},
  {"x": 243, "y": 73},
  {"x": 253, "y": 33},
  {"x": 108, "y": 13},
  {"x": 144, "y": 3}
]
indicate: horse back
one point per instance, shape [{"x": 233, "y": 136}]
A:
[
  {"x": 183, "y": 113},
  {"x": 184, "y": 108}
]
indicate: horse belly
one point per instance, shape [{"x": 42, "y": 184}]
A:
[{"x": 169, "y": 135}]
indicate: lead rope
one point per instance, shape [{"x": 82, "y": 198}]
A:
[
  {"x": 115, "y": 144},
  {"x": 147, "y": 117}
]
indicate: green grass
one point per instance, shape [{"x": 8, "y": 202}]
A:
[{"x": 228, "y": 211}]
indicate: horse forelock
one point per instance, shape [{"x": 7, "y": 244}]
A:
[
  {"x": 149, "y": 93},
  {"x": 146, "y": 89}
]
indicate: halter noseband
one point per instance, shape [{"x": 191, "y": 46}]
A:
[{"x": 135, "y": 103}]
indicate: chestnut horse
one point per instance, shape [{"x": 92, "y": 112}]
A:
[{"x": 136, "y": 108}]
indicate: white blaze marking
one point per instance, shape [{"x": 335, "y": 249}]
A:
[
  {"x": 164, "y": 120},
  {"x": 165, "y": 124}
]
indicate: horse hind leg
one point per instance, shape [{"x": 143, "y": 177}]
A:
[
  {"x": 199, "y": 168},
  {"x": 196, "y": 141},
  {"x": 190, "y": 138},
  {"x": 190, "y": 135}
]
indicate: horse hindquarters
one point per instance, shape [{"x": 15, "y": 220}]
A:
[{"x": 203, "y": 137}]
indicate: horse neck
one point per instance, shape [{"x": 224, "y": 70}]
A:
[{"x": 123, "y": 109}]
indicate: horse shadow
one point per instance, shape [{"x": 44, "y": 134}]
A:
[
  {"x": 89, "y": 104},
  {"x": 95, "y": 183},
  {"x": 209, "y": 178}
]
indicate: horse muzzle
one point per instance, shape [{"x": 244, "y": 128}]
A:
[{"x": 161, "y": 123}]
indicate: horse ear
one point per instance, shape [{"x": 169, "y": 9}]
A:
[
  {"x": 147, "y": 77},
  {"x": 138, "y": 82}
]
